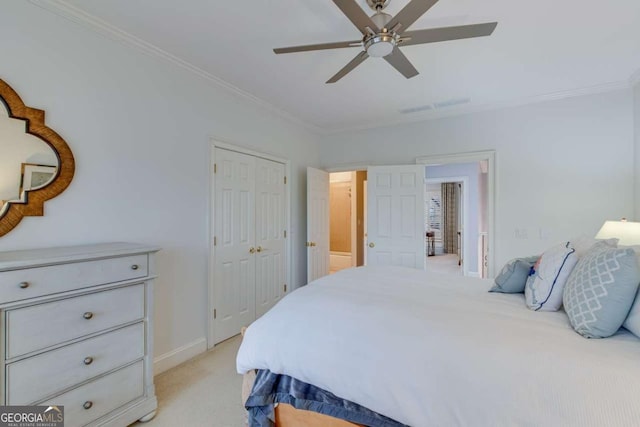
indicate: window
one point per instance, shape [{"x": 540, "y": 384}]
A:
[{"x": 433, "y": 213}]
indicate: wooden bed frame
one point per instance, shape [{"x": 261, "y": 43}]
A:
[{"x": 288, "y": 416}]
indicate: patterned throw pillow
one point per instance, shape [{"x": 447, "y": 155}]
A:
[
  {"x": 601, "y": 290},
  {"x": 583, "y": 244},
  {"x": 513, "y": 276},
  {"x": 543, "y": 291}
]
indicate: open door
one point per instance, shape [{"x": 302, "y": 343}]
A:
[
  {"x": 317, "y": 224},
  {"x": 395, "y": 216}
]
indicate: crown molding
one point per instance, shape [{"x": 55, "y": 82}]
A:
[
  {"x": 635, "y": 78},
  {"x": 79, "y": 16},
  {"x": 470, "y": 109}
]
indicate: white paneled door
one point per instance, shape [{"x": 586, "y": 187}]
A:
[
  {"x": 235, "y": 263},
  {"x": 270, "y": 229},
  {"x": 317, "y": 224},
  {"x": 249, "y": 247},
  {"x": 395, "y": 216}
]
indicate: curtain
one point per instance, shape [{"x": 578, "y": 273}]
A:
[{"x": 450, "y": 197}]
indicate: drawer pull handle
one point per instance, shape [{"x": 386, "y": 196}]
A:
[
  {"x": 135, "y": 267},
  {"x": 24, "y": 285},
  {"x": 88, "y": 360},
  {"x": 87, "y": 405},
  {"x": 88, "y": 315}
]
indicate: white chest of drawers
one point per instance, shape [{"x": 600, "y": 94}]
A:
[{"x": 77, "y": 331}]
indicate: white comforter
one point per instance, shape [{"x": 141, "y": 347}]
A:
[{"x": 433, "y": 350}]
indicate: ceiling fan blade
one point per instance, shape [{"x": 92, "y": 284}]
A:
[
  {"x": 401, "y": 63},
  {"x": 356, "y": 15},
  {"x": 410, "y": 14},
  {"x": 359, "y": 59},
  {"x": 322, "y": 46},
  {"x": 433, "y": 35}
]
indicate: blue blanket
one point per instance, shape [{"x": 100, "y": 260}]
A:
[{"x": 270, "y": 389}]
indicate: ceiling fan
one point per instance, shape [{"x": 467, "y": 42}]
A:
[{"x": 383, "y": 34}]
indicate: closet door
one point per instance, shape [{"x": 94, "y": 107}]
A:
[
  {"x": 234, "y": 249},
  {"x": 395, "y": 215},
  {"x": 270, "y": 234}
]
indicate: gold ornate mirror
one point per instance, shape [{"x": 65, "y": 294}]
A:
[{"x": 36, "y": 164}]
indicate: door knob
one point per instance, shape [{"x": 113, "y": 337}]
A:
[
  {"x": 252, "y": 250},
  {"x": 313, "y": 244},
  {"x": 372, "y": 245},
  {"x": 261, "y": 249}
]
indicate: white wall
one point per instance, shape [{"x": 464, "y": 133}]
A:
[
  {"x": 472, "y": 172},
  {"x": 139, "y": 128},
  {"x": 636, "y": 119},
  {"x": 563, "y": 167}
]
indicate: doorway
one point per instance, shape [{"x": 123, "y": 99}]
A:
[
  {"x": 446, "y": 217},
  {"x": 392, "y": 214},
  {"x": 473, "y": 175},
  {"x": 346, "y": 219}
]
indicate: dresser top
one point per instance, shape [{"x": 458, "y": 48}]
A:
[{"x": 40, "y": 257}]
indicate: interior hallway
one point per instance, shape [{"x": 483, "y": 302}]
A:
[{"x": 445, "y": 264}]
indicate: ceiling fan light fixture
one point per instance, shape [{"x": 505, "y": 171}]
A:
[
  {"x": 382, "y": 34},
  {"x": 380, "y": 45}
]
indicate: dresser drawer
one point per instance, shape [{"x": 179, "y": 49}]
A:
[
  {"x": 40, "y": 326},
  {"x": 40, "y": 376},
  {"x": 17, "y": 285},
  {"x": 97, "y": 398}
]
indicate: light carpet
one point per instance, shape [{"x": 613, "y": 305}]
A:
[
  {"x": 445, "y": 264},
  {"x": 204, "y": 391}
]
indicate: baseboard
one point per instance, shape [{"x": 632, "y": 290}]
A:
[
  {"x": 180, "y": 355},
  {"x": 473, "y": 274}
]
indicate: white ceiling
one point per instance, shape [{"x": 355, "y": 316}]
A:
[{"x": 539, "y": 48}]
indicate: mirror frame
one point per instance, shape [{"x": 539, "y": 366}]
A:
[{"x": 35, "y": 125}]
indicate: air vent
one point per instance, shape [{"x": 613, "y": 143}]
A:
[
  {"x": 452, "y": 102},
  {"x": 437, "y": 105},
  {"x": 417, "y": 109}
]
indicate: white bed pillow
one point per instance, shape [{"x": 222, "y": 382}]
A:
[
  {"x": 632, "y": 322},
  {"x": 545, "y": 285}
]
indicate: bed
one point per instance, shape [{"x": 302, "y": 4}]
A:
[{"x": 425, "y": 349}]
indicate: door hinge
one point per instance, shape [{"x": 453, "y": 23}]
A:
[
  {"x": 285, "y": 234},
  {"x": 215, "y": 168},
  {"x": 285, "y": 287},
  {"x": 215, "y": 240},
  {"x": 285, "y": 180},
  {"x": 215, "y": 313}
]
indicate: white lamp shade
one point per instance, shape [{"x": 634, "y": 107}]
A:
[{"x": 628, "y": 232}]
